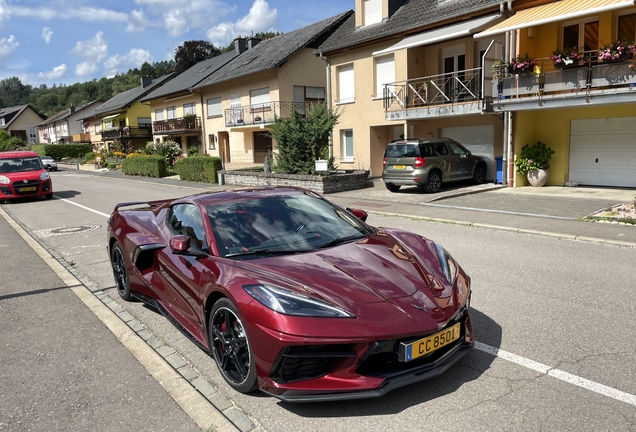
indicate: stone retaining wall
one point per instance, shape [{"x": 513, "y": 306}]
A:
[{"x": 322, "y": 184}]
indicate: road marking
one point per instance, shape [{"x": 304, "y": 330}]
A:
[
  {"x": 84, "y": 207},
  {"x": 498, "y": 211},
  {"x": 559, "y": 374}
]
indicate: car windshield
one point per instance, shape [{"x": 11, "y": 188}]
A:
[
  {"x": 281, "y": 224},
  {"x": 19, "y": 164}
]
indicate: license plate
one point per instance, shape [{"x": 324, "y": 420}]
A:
[
  {"x": 29, "y": 189},
  {"x": 400, "y": 167},
  {"x": 429, "y": 344}
]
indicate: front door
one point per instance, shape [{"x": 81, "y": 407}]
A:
[
  {"x": 262, "y": 146},
  {"x": 224, "y": 147},
  {"x": 454, "y": 72}
]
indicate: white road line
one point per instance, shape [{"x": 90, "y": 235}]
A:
[
  {"x": 559, "y": 374},
  {"x": 84, "y": 207},
  {"x": 522, "y": 361}
]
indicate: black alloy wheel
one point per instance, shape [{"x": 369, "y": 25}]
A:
[
  {"x": 118, "y": 263},
  {"x": 479, "y": 176},
  {"x": 392, "y": 187},
  {"x": 231, "y": 348},
  {"x": 434, "y": 182}
]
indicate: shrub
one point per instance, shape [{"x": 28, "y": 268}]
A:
[
  {"x": 193, "y": 151},
  {"x": 148, "y": 166},
  {"x": 168, "y": 149},
  {"x": 89, "y": 156},
  {"x": 59, "y": 151},
  {"x": 533, "y": 158},
  {"x": 199, "y": 168}
]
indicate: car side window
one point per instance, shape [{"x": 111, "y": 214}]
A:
[
  {"x": 441, "y": 149},
  {"x": 457, "y": 149},
  {"x": 185, "y": 219}
]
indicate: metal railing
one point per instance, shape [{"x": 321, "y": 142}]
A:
[
  {"x": 264, "y": 113},
  {"x": 127, "y": 132},
  {"x": 449, "y": 88},
  {"x": 177, "y": 124}
]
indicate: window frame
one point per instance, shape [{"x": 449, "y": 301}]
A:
[
  {"x": 387, "y": 77},
  {"x": 157, "y": 111},
  {"x": 581, "y": 23},
  {"x": 346, "y": 71},
  {"x": 190, "y": 109},
  {"x": 171, "y": 110},
  {"x": 343, "y": 145},
  {"x": 220, "y": 107}
]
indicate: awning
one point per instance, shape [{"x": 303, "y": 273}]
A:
[
  {"x": 111, "y": 116},
  {"x": 445, "y": 33},
  {"x": 552, "y": 12}
]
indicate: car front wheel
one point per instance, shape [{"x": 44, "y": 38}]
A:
[
  {"x": 434, "y": 182},
  {"x": 118, "y": 263},
  {"x": 479, "y": 176},
  {"x": 231, "y": 348}
]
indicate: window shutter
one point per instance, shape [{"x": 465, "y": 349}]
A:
[
  {"x": 159, "y": 114},
  {"x": 346, "y": 84},
  {"x": 384, "y": 73},
  {"x": 372, "y": 12},
  {"x": 260, "y": 98},
  {"x": 315, "y": 93},
  {"x": 214, "y": 107}
]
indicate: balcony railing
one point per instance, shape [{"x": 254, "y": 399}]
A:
[
  {"x": 181, "y": 124},
  {"x": 581, "y": 82},
  {"x": 264, "y": 113},
  {"x": 127, "y": 132},
  {"x": 449, "y": 88}
]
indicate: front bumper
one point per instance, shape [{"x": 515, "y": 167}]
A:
[{"x": 16, "y": 190}]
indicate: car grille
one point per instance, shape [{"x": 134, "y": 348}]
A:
[
  {"x": 17, "y": 186},
  {"x": 303, "y": 362},
  {"x": 382, "y": 357}
]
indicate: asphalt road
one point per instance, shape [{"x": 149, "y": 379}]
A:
[{"x": 553, "y": 321}]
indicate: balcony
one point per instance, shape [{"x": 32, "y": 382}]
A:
[
  {"x": 450, "y": 94},
  {"x": 592, "y": 83},
  {"x": 259, "y": 114},
  {"x": 177, "y": 125},
  {"x": 127, "y": 132}
]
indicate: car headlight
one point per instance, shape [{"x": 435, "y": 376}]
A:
[
  {"x": 449, "y": 266},
  {"x": 45, "y": 176},
  {"x": 4, "y": 180},
  {"x": 291, "y": 303}
]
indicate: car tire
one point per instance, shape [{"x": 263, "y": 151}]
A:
[
  {"x": 391, "y": 187},
  {"x": 230, "y": 347},
  {"x": 479, "y": 176},
  {"x": 118, "y": 263},
  {"x": 434, "y": 182}
]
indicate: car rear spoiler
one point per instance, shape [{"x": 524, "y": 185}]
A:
[{"x": 151, "y": 204}]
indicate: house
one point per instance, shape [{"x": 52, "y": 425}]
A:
[
  {"x": 126, "y": 122},
  {"x": 268, "y": 80},
  {"x": 21, "y": 121},
  {"x": 413, "y": 69},
  {"x": 65, "y": 126},
  {"x": 92, "y": 126},
  {"x": 585, "y": 110},
  {"x": 177, "y": 109}
]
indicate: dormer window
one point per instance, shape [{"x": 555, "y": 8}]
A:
[{"x": 372, "y": 12}]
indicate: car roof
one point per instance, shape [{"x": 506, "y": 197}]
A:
[
  {"x": 422, "y": 140},
  {"x": 242, "y": 194},
  {"x": 15, "y": 154}
]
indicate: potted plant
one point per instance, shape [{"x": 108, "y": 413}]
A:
[
  {"x": 616, "y": 51},
  {"x": 534, "y": 162},
  {"x": 522, "y": 65},
  {"x": 567, "y": 57}
]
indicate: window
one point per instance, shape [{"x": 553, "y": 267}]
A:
[
  {"x": 189, "y": 109},
  {"x": 33, "y": 135},
  {"x": 384, "y": 73},
  {"x": 627, "y": 27},
  {"x": 108, "y": 124},
  {"x": 214, "y": 107},
  {"x": 372, "y": 12},
  {"x": 260, "y": 98},
  {"x": 347, "y": 145},
  {"x": 159, "y": 114},
  {"x": 144, "y": 121},
  {"x": 581, "y": 34},
  {"x": 185, "y": 219},
  {"x": 346, "y": 88},
  {"x": 1, "y": 121},
  {"x": 172, "y": 112},
  {"x": 98, "y": 128},
  {"x": 308, "y": 94}
]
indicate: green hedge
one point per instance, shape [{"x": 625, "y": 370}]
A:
[
  {"x": 199, "y": 168},
  {"x": 59, "y": 151},
  {"x": 148, "y": 166}
]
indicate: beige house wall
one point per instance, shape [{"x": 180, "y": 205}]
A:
[{"x": 27, "y": 118}]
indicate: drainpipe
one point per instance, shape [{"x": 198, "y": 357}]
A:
[
  {"x": 205, "y": 146},
  {"x": 329, "y": 101}
]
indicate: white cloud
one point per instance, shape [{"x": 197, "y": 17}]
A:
[
  {"x": 85, "y": 68},
  {"x": 93, "y": 50},
  {"x": 90, "y": 14},
  {"x": 260, "y": 18},
  {"x": 135, "y": 58},
  {"x": 5, "y": 13},
  {"x": 56, "y": 73},
  {"x": 42, "y": 13},
  {"x": 7, "y": 47},
  {"x": 136, "y": 21},
  {"x": 176, "y": 22},
  {"x": 47, "y": 34}
]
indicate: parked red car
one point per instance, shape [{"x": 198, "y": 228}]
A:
[
  {"x": 23, "y": 175},
  {"x": 293, "y": 294}
]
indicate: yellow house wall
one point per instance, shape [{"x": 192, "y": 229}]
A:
[{"x": 136, "y": 110}]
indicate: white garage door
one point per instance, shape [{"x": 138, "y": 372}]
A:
[
  {"x": 603, "y": 152},
  {"x": 480, "y": 140}
]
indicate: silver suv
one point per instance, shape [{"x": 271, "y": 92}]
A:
[{"x": 429, "y": 162}]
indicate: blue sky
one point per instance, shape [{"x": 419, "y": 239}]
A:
[{"x": 69, "y": 41}]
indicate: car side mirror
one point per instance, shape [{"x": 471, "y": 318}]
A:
[
  {"x": 181, "y": 245},
  {"x": 360, "y": 214}
]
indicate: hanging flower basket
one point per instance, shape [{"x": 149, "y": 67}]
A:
[
  {"x": 616, "y": 51},
  {"x": 568, "y": 57},
  {"x": 522, "y": 65}
]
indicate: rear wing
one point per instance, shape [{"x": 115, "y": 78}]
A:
[{"x": 138, "y": 205}]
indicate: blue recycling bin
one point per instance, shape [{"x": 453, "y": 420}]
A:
[{"x": 499, "y": 162}]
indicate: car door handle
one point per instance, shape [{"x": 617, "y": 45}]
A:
[{"x": 596, "y": 161}]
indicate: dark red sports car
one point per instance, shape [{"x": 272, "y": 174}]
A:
[{"x": 293, "y": 294}]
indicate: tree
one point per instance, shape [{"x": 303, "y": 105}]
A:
[
  {"x": 192, "y": 52},
  {"x": 303, "y": 139}
]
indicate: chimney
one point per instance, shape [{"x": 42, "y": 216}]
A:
[
  {"x": 240, "y": 45},
  {"x": 145, "y": 81},
  {"x": 72, "y": 109},
  {"x": 252, "y": 42}
]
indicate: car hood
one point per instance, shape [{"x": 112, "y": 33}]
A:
[
  {"x": 23, "y": 175},
  {"x": 389, "y": 266}
]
